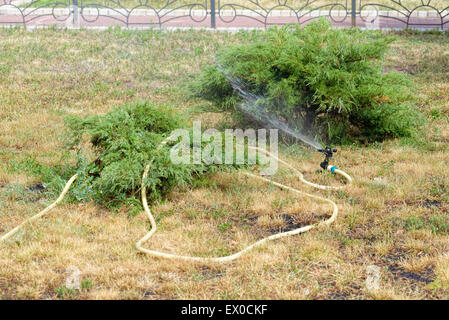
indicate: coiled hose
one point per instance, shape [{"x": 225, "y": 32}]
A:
[{"x": 209, "y": 259}]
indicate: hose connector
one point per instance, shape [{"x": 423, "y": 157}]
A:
[{"x": 331, "y": 168}]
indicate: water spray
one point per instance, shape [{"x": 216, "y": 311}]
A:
[{"x": 253, "y": 106}]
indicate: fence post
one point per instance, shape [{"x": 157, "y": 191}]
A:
[
  {"x": 353, "y": 13},
  {"x": 75, "y": 13},
  {"x": 212, "y": 14}
]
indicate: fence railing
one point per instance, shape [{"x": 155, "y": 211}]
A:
[{"x": 392, "y": 14}]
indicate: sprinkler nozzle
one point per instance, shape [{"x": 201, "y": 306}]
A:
[{"x": 328, "y": 153}]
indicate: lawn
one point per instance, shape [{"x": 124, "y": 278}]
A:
[{"x": 395, "y": 215}]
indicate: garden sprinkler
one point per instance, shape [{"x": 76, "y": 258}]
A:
[{"x": 328, "y": 153}]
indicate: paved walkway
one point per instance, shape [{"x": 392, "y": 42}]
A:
[{"x": 137, "y": 21}]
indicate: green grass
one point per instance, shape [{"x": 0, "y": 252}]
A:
[{"x": 65, "y": 293}]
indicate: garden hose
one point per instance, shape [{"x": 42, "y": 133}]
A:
[
  {"x": 257, "y": 243},
  {"x": 211, "y": 259},
  {"x": 43, "y": 212}
]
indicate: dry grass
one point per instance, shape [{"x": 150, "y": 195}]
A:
[{"x": 394, "y": 216}]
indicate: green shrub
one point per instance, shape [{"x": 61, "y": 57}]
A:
[
  {"x": 318, "y": 79},
  {"x": 124, "y": 140}
]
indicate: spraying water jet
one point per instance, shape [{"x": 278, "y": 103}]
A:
[
  {"x": 255, "y": 107},
  {"x": 252, "y": 106}
]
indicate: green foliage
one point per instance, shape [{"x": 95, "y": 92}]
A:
[
  {"x": 438, "y": 223},
  {"x": 124, "y": 141},
  {"x": 86, "y": 284},
  {"x": 65, "y": 293},
  {"x": 224, "y": 226},
  {"x": 321, "y": 79},
  {"x": 54, "y": 178}
]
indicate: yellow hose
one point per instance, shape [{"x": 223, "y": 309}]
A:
[
  {"x": 257, "y": 243},
  {"x": 43, "y": 212},
  {"x": 207, "y": 259}
]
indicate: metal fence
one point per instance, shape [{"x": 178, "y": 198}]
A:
[{"x": 391, "y": 14}]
